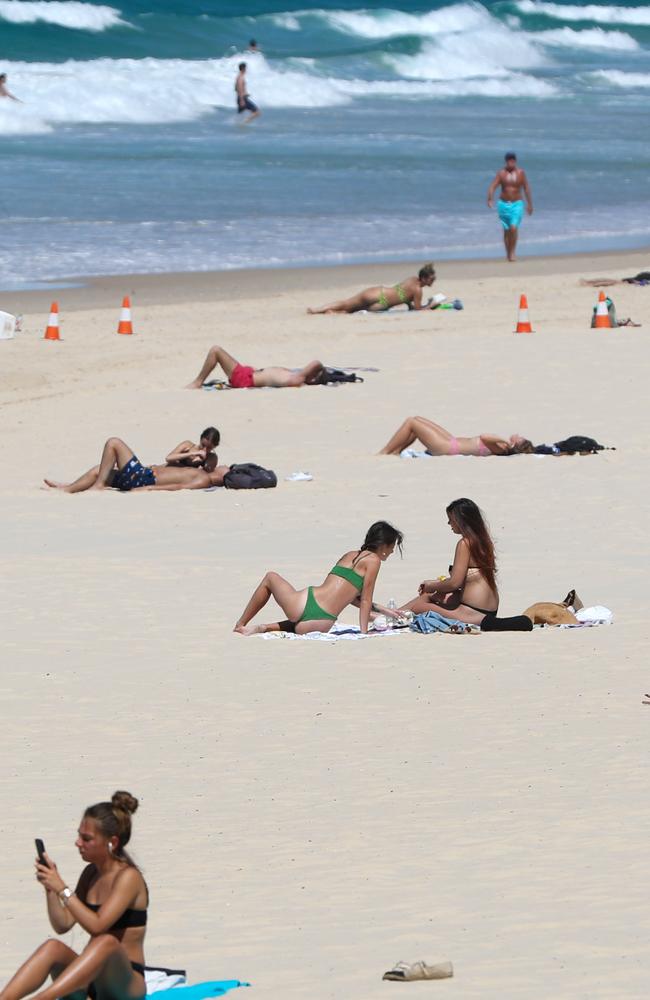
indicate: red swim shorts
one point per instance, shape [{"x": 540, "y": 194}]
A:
[{"x": 241, "y": 377}]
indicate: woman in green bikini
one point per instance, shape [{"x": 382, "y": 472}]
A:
[
  {"x": 381, "y": 297},
  {"x": 315, "y": 609}
]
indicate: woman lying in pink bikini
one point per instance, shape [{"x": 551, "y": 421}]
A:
[{"x": 439, "y": 441}]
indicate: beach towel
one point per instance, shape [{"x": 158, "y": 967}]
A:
[
  {"x": 336, "y": 633},
  {"x": 200, "y": 991}
]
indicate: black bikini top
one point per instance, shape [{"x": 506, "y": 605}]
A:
[{"x": 130, "y": 918}]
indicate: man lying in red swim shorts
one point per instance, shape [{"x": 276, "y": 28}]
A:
[{"x": 245, "y": 377}]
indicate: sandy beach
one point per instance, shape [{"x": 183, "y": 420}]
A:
[{"x": 311, "y": 812}]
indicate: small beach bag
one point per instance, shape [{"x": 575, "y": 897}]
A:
[{"x": 249, "y": 476}]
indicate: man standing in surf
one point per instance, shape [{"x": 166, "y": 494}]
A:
[
  {"x": 510, "y": 206},
  {"x": 244, "y": 102}
]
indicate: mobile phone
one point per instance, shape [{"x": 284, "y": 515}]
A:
[{"x": 40, "y": 850}]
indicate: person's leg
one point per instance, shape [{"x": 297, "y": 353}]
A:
[
  {"x": 274, "y": 586},
  {"x": 116, "y": 454},
  {"x": 50, "y": 958},
  {"x": 512, "y": 235},
  {"x": 103, "y": 962},
  {"x": 434, "y": 437},
  {"x": 79, "y": 485},
  {"x": 215, "y": 356},
  {"x": 362, "y": 300}
]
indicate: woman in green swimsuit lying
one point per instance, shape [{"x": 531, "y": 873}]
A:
[
  {"x": 380, "y": 298},
  {"x": 315, "y": 609}
]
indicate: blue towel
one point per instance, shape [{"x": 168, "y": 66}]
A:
[
  {"x": 201, "y": 991},
  {"x": 431, "y": 621}
]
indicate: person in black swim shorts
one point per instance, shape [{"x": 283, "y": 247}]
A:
[
  {"x": 121, "y": 470},
  {"x": 244, "y": 102}
]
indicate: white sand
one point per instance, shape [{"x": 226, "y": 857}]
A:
[{"x": 311, "y": 813}]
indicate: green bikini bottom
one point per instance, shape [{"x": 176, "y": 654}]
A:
[{"x": 313, "y": 611}]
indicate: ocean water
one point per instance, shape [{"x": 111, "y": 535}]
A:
[{"x": 381, "y": 128}]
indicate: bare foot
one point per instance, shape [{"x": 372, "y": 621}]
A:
[
  {"x": 249, "y": 629},
  {"x": 196, "y": 384},
  {"x": 55, "y": 486}
]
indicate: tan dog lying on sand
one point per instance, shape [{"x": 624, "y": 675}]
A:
[{"x": 549, "y": 613}]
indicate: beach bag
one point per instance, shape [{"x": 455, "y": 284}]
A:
[
  {"x": 579, "y": 443},
  {"x": 249, "y": 476},
  {"x": 329, "y": 376},
  {"x": 611, "y": 310}
]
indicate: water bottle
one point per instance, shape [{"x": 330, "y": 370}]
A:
[{"x": 391, "y": 607}]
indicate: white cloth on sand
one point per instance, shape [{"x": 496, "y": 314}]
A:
[{"x": 595, "y": 615}]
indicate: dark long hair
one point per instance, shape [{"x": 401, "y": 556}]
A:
[
  {"x": 382, "y": 533},
  {"x": 469, "y": 520},
  {"x": 523, "y": 447},
  {"x": 113, "y": 819},
  {"x": 212, "y": 435}
]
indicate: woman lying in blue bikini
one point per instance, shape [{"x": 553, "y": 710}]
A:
[
  {"x": 109, "y": 902},
  {"x": 315, "y": 609}
]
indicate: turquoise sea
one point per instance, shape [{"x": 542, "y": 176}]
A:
[{"x": 381, "y": 128}]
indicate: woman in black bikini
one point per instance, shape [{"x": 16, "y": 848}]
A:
[
  {"x": 470, "y": 592},
  {"x": 109, "y": 902}
]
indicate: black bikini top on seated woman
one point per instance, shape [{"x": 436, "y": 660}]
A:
[{"x": 130, "y": 917}]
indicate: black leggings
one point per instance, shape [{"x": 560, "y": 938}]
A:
[{"x": 518, "y": 623}]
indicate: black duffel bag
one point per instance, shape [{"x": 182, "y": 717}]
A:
[{"x": 249, "y": 476}]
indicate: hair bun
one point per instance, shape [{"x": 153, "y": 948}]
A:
[{"x": 124, "y": 801}]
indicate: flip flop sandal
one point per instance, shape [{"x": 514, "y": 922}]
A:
[{"x": 403, "y": 972}]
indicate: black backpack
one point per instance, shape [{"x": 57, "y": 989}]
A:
[
  {"x": 328, "y": 376},
  {"x": 249, "y": 476},
  {"x": 579, "y": 443}
]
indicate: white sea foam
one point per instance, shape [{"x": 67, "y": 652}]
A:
[
  {"x": 489, "y": 50},
  {"x": 379, "y": 24},
  {"x": 149, "y": 91},
  {"x": 68, "y": 14},
  {"x": 620, "y": 79},
  {"x": 591, "y": 38},
  {"x": 287, "y": 21},
  {"x": 590, "y": 12}
]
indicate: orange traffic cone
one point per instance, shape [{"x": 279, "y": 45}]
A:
[
  {"x": 125, "y": 325},
  {"x": 52, "y": 328},
  {"x": 523, "y": 322},
  {"x": 602, "y": 315}
]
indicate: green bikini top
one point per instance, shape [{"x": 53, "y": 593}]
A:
[{"x": 350, "y": 575}]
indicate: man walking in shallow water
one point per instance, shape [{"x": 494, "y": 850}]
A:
[{"x": 513, "y": 181}]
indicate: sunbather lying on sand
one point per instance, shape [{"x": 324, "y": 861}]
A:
[
  {"x": 119, "y": 469},
  {"x": 470, "y": 591},
  {"x": 379, "y": 298},
  {"x": 244, "y": 377},
  {"x": 439, "y": 441},
  {"x": 315, "y": 609}
]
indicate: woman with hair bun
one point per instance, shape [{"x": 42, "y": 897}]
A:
[
  {"x": 315, "y": 609},
  {"x": 109, "y": 902},
  {"x": 470, "y": 592}
]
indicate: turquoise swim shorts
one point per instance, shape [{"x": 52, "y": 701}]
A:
[{"x": 510, "y": 213}]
